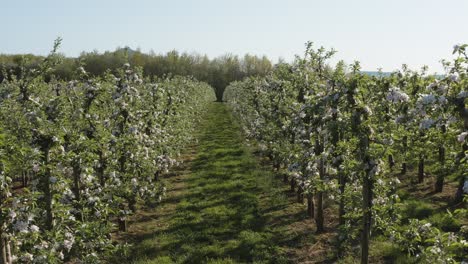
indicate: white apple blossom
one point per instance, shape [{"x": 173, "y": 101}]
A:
[
  {"x": 442, "y": 100},
  {"x": 432, "y": 86},
  {"x": 134, "y": 181},
  {"x": 395, "y": 95},
  {"x": 461, "y": 138},
  {"x": 436, "y": 250},
  {"x": 82, "y": 70},
  {"x": 426, "y": 123},
  {"x": 455, "y": 77},
  {"x": 425, "y": 228},
  {"x": 367, "y": 110},
  {"x": 36, "y": 167},
  {"x": 69, "y": 241},
  {"x": 427, "y": 99},
  {"x": 462, "y": 94},
  {"x": 21, "y": 226},
  {"x": 34, "y": 228},
  {"x": 93, "y": 199},
  {"x": 12, "y": 214},
  {"x": 27, "y": 257}
]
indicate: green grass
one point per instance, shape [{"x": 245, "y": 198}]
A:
[
  {"x": 217, "y": 217},
  {"x": 418, "y": 209}
]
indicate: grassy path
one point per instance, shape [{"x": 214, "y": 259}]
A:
[{"x": 223, "y": 206}]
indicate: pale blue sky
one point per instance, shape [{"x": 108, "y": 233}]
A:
[{"x": 377, "y": 33}]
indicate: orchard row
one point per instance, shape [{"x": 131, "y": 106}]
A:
[
  {"x": 346, "y": 137},
  {"x": 77, "y": 157}
]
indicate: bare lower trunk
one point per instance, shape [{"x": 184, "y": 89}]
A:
[
  {"x": 439, "y": 185},
  {"x": 277, "y": 166},
  {"x": 8, "y": 252},
  {"x": 310, "y": 206},
  {"x": 4, "y": 259},
  {"x": 101, "y": 169},
  {"x": 300, "y": 194},
  {"x": 404, "y": 168},
  {"x": 77, "y": 190},
  {"x": 366, "y": 218},
  {"x": 405, "y": 146},
  {"x": 132, "y": 204},
  {"x": 319, "y": 219},
  {"x": 24, "y": 179},
  {"x": 122, "y": 222},
  {"x": 156, "y": 175},
  {"x": 123, "y": 225},
  {"x": 421, "y": 169},
  {"x": 342, "y": 179},
  {"x": 293, "y": 184},
  {"x": 48, "y": 195},
  {"x": 459, "y": 194},
  {"x": 391, "y": 162}
]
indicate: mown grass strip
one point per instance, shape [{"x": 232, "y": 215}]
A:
[{"x": 217, "y": 218}]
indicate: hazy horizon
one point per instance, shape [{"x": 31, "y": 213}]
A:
[{"x": 376, "y": 33}]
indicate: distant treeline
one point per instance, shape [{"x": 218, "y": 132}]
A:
[{"x": 218, "y": 72}]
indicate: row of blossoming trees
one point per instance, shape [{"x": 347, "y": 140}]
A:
[
  {"x": 77, "y": 157},
  {"x": 346, "y": 136}
]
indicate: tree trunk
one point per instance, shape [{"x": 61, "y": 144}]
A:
[
  {"x": 48, "y": 192},
  {"x": 439, "y": 185},
  {"x": 24, "y": 181},
  {"x": 459, "y": 194},
  {"x": 101, "y": 169},
  {"x": 293, "y": 184},
  {"x": 76, "y": 180},
  {"x": 4, "y": 259},
  {"x": 123, "y": 225},
  {"x": 405, "y": 146},
  {"x": 319, "y": 219},
  {"x": 421, "y": 169},
  {"x": 277, "y": 166},
  {"x": 122, "y": 222},
  {"x": 366, "y": 218},
  {"x": 132, "y": 204},
  {"x": 8, "y": 252},
  {"x": 156, "y": 175},
  {"x": 300, "y": 194},
  {"x": 310, "y": 206},
  {"x": 342, "y": 185},
  {"x": 76, "y": 190},
  {"x": 391, "y": 162}
]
